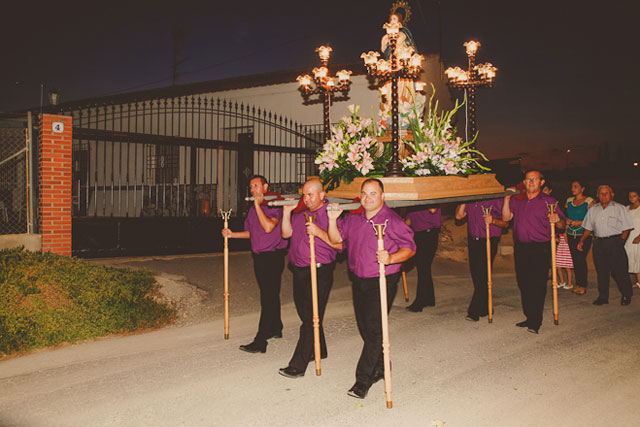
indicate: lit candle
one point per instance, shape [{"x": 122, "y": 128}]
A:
[
  {"x": 320, "y": 72},
  {"x": 472, "y": 47},
  {"x": 343, "y": 75},
  {"x": 304, "y": 80},
  {"x": 324, "y": 52}
]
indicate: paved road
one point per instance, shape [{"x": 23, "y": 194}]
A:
[{"x": 581, "y": 373}]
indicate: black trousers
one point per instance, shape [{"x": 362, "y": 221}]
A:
[
  {"x": 479, "y": 305},
  {"x": 579, "y": 258},
  {"x": 611, "y": 259},
  {"x": 268, "y": 267},
  {"x": 304, "y": 351},
  {"x": 366, "y": 303},
  {"x": 533, "y": 261},
  {"x": 426, "y": 247}
]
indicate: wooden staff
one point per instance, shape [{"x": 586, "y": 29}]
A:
[
  {"x": 225, "y": 216},
  {"x": 554, "y": 271},
  {"x": 379, "y": 229},
  {"x": 404, "y": 284},
  {"x": 314, "y": 296},
  {"x": 487, "y": 211}
]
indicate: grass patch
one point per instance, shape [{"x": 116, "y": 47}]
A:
[{"x": 48, "y": 299}]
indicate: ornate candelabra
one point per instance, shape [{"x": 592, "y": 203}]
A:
[
  {"x": 324, "y": 85},
  {"x": 399, "y": 66},
  {"x": 481, "y": 75}
]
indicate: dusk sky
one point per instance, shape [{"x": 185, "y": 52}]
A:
[{"x": 564, "y": 67}]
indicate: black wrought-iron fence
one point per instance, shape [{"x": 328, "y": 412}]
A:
[{"x": 183, "y": 156}]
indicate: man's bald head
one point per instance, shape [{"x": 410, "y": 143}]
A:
[{"x": 313, "y": 194}]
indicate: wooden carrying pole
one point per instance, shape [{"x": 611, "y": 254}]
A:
[
  {"x": 379, "y": 229},
  {"x": 404, "y": 284},
  {"x": 225, "y": 216},
  {"x": 314, "y": 296},
  {"x": 554, "y": 270},
  {"x": 487, "y": 211}
]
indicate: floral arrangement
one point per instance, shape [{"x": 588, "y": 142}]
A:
[
  {"x": 436, "y": 149},
  {"x": 352, "y": 151}
]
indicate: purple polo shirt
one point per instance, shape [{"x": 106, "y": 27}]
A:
[
  {"x": 358, "y": 234},
  {"x": 423, "y": 219},
  {"x": 531, "y": 220},
  {"x": 476, "y": 225},
  {"x": 299, "y": 252},
  {"x": 261, "y": 241}
]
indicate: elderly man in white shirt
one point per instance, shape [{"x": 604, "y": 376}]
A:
[{"x": 610, "y": 224}]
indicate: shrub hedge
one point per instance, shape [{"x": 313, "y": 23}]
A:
[{"x": 47, "y": 299}]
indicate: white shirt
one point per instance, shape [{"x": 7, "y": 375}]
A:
[{"x": 612, "y": 220}]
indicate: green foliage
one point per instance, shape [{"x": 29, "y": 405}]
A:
[{"x": 48, "y": 299}]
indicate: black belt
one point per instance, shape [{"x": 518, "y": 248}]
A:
[{"x": 619, "y": 236}]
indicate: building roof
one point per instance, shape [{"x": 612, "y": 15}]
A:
[{"x": 232, "y": 83}]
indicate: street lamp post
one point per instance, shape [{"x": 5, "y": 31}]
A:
[
  {"x": 405, "y": 66},
  {"x": 325, "y": 85},
  {"x": 481, "y": 75}
]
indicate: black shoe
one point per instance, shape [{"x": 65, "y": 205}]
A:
[
  {"x": 522, "y": 324},
  {"x": 533, "y": 330},
  {"x": 472, "y": 317},
  {"x": 358, "y": 391},
  {"x": 625, "y": 301},
  {"x": 291, "y": 372},
  {"x": 254, "y": 347},
  {"x": 275, "y": 335},
  {"x": 601, "y": 301},
  {"x": 416, "y": 308}
]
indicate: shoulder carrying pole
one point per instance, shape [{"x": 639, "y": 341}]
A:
[
  {"x": 314, "y": 296},
  {"x": 489, "y": 280},
  {"x": 225, "y": 216},
  {"x": 386, "y": 348},
  {"x": 554, "y": 270}
]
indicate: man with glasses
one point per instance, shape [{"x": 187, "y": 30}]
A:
[{"x": 532, "y": 250}]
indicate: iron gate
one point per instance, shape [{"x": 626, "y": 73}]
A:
[{"x": 168, "y": 165}]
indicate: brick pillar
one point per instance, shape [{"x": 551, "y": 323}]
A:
[{"x": 54, "y": 207}]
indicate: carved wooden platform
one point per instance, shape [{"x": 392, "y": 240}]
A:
[{"x": 424, "y": 188}]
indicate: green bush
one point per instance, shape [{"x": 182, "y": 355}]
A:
[{"x": 48, "y": 299}]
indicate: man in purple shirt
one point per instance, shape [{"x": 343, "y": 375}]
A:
[
  {"x": 477, "y": 220},
  {"x": 426, "y": 225},
  {"x": 532, "y": 250},
  {"x": 262, "y": 227},
  {"x": 298, "y": 230},
  {"x": 357, "y": 233}
]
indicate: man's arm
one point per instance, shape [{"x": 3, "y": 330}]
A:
[
  {"x": 286, "y": 229},
  {"x": 226, "y": 232},
  {"x": 586, "y": 234},
  {"x": 314, "y": 230},
  {"x": 401, "y": 255},
  {"x": 507, "y": 215},
  {"x": 332, "y": 231},
  {"x": 267, "y": 224},
  {"x": 625, "y": 234},
  {"x": 461, "y": 211}
]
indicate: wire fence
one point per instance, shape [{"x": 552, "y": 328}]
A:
[{"x": 14, "y": 176}]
